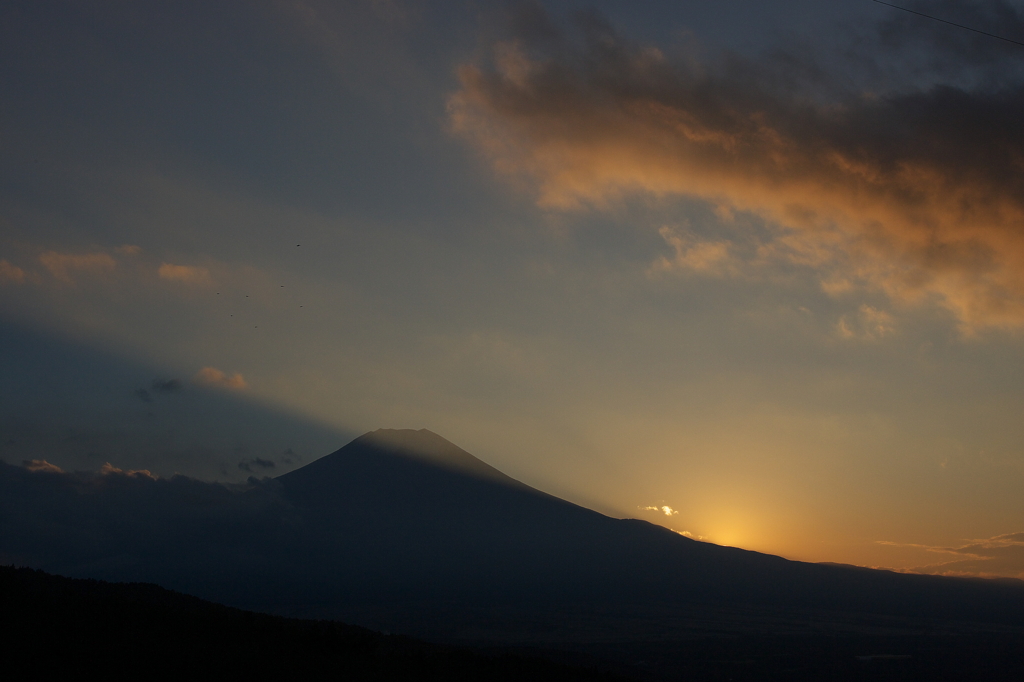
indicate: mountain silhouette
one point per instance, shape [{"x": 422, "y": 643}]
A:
[
  {"x": 405, "y": 523},
  {"x": 63, "y": 627},
  {"x": 404, "y": 531}
]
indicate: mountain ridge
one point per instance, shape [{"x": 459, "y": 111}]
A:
[{"x": 402, "y": 530}]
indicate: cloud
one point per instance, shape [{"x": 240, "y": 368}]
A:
[
  {"x": 998, "y": 556},
  {"x": 189, "y": 274},
  {"x": 109, "y": 469},
  {"x": 211, "y": 376},
  {"x": 11, "y": 273},
  {"x": 868, "y": 324},
  {"x": 688, "y": 534},
  {"x": 166, "y": 385},
  {"x": 664, "y": 509},
  {"x": 247, "y": 465},
  {"x": 42, "y": 465},
  {"x": 129, "y": 250},
  {"x": 695, "y": 255},
  {"x": 158, "y": 386},
  {"x": 918, "y": 195},
  {"x": 63, "y": 265}
]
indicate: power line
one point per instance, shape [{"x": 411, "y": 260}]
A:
[{"x": 928, "y": 16}]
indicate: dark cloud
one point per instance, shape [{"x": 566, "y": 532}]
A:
[
  {"x": 918, "y": 194},
  {"x": 289, "y": 456},
  {"x": 248, "y": 465},
  {"x": 158, "y": 386},
  {"x": 166, "y": 385}
]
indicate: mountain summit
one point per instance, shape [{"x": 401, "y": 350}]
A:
[
  {"x": 409, "y": 511},
  {"x": 397, "y": 445}
]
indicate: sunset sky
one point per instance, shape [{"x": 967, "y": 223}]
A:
[{"x": 750, "y": 270}]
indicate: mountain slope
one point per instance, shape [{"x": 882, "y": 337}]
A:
[
  {"x": 404, "y": 531},
  {"x": 407, "y": 515}
]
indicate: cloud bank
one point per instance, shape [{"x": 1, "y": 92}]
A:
[
  {"x": 916, "y": 194},
  {"x": 1002, "y": 555},
  {"x": 64, "y": 266}
]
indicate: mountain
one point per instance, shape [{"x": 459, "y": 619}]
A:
[
  {"x": 398, "y": 516},
  {"x": 404, "y": 531}
]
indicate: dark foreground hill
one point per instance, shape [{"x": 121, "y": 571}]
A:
[
  {"x": 403, "y": 531},
  {"x": 55, "y": 627},
  {"x": 61, "y": 628}
]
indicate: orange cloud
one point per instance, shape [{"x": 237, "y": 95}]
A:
[
  {"x": 11, "y": 273},
  {"x": 882, "y": 194},
  {"x": 109, "y": 469},
  {"x": 188, "y": 274},
  {"x": 211, "y": 376},
  {"x": 696, "y": 255},
  {"x": 42, "y": 465},
  {"x": 63, "y": 265},
  {"x": 129, "y": 250},
  {"x": 869, "y": 324}
]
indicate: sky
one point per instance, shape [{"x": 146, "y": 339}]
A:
[{"x": 753, "y": 271}]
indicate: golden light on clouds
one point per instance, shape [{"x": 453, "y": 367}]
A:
[
  {"x": 11, "y": 273},
  {"x": 868, "y": 324},
  {"x": 701, "y": 256},
  {"x": 64, "y": 266},
  {"x": 43, "y": 466},
  {"x": 215, "y": 378},
  {"x": 882, "y": 195},
  {"x": 188, "y": 274},
  {"x": 664, "y": 509},
  {"x": 109, "y": 469}
]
